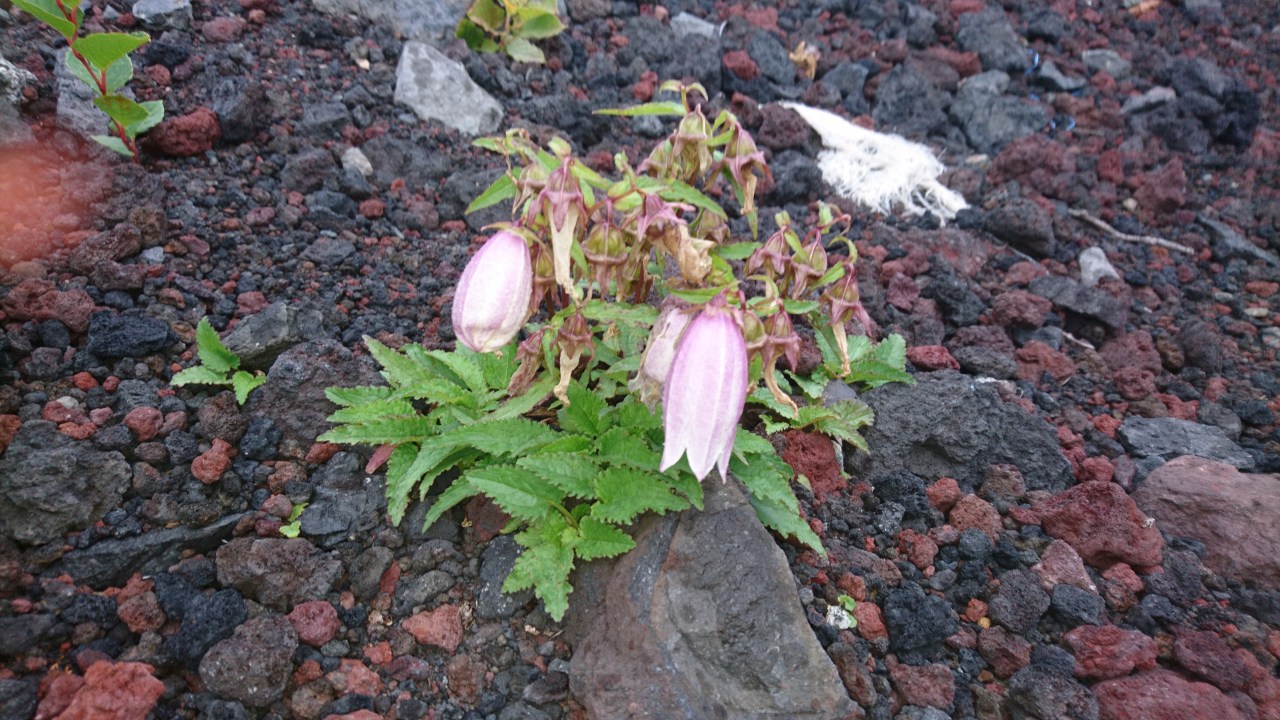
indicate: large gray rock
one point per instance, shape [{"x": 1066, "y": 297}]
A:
[
  {"x": 346, "y": 501},
  {"x": 253, "y": 665},
  {"x": 13, "y": 131},
  {"x": 1233, "y": 514},
  {"x": 989, "y": 118},
  {"x": 111, "y": 562},
  {"x": 51, "y": 485},
  {"x": 293, "y": 396},
  {"x": 990, "y": 34},
  {"x": 1165, "y": 438},
  {"x": 260, "y": 338},
  {"x": 948, "y": 425},
  {"x": 437, "y": 87},
  {"x": 1090, "y": 302},
  {"x": 700, "y": 620},
  {"x": 413, "y": 19}
]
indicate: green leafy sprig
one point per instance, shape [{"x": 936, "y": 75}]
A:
[
  {"x": 219, "y": 366},
  {"x": 510, "y": 26},
  {"x": 101, "y": 61}
]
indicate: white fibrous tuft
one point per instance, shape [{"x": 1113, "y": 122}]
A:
[{"x": 877, "y": 170}]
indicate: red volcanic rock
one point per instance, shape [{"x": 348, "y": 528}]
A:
[
  {"x": 1163, "y": 695},
  {"x": 1060, "y": 564},
  {"x": 1109, "y": 652},
  {"x": 1007, "y": 652},
  {"x": 972, "y": 512},
  {"x": 141, "y": 612},
  {"x": 187, "y": 135},
  {"x": 870, "y": 621},
  {"x": 902, "y": 293},
  {"x": 209, "y": 465},
  {"x": 1019, "y": 308},
  {"x": 315, "y": 621},
  {"x": 740, "y": 63},
  {"x": 924, "y": 685},
  {"x": 932, "y": 357},
  {"x": 115, "y": 691},
  {"x": 1132, "y": 350},
  {"x": 1103, "y": 524},
  {"x": 1036, "y": 358},
  {"x": 145, "y": 422},
  {"x": 35, "y": 299},
  {"x": 223, "y": 29},
  {"x": 1209, "y": 657},
  {"x": 441, "y": 627},
  {"x": 814, "y": 456},
  {"x": 944, "y": 493}
]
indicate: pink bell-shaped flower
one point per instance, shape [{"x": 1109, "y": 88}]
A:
[
  {"x": 705, "y": 392},
  {"x": 492, "y": 299}
]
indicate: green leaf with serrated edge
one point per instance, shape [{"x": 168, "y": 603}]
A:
[
  {"x": 213, "y": 354},
  {"x": 811, "y": 385},
  {"x": 352, "y": 396},
  {"x": 47, "y": 12},
  {"x": 773, "y": 427},
  {"x": 697, "y": 296},
  {"x": 121, "y": 109},
  {"x": 374, "y": 410},
  {"x": 583, "y": 414},
  {"x": 199, "y": 375},
  {"x": 393, "y": 431},
  {"x": 601, "y": 540},
  {"x": 465, "y": 364},
  {"x": 634, "y": 415},
  {"x": 768, "y": 477},
  {"x": 520, "y": 493},
  {"x": 620, "y": 446},
  {"x": 540, "y": 26},
  {"x": 787, "y": 523},
  {"x": 400, "y": 482},
  {"x": 487, "y": 14},
  {"x": 826, "y": 345},
  {"x": 544, "y": 565},
  {"x": 604, "y": 311},
  {"x": 746, "y": 443},
  {"x": 573, "y": 473},
  {"x": 762, "y": 396},
  {"x": 522, "y": 404},
  {"x": 670, "y": 108},
  {"x": 522, "y": 50},
  {"x": 626, "y": 493},
  {"x": 102, "y": 49},
  {"x": 566, "y": 444},
  {"x": 513, "y": 436},
  {"x": 456, "y": 493},
  {"x": 155, "y": 113},
  {"x": 399, "y": 370},
  {"x": 892, "y": 351},
  {"x": 684, "y": 483},
  {"x": 873, "y": 374},
  {"x": 737, "y": 251},
  {"x": 497, "y": 370},
  {"x": 504, "y": 188},
  {"x": 244, "y": 383}
]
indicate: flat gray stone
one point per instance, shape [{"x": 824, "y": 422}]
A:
[
  {"x": 437, "y": 87},
  {"x": 163, "y": 14},
  {"x": 260, "y": 338},
  {"x": 1167, "y": 438},
  {"x": 110, "y": 562},
  {"x": 700, "y": 621}
]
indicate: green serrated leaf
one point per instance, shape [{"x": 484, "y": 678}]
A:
[
  {"x": 746, "y": 442},
  {"x": 244, "y": 383},
  {"x": 811, "y": 385},
  {"x": 399, "y": 370},
  {"x": 845, "y": 422},
  {"x": 103, "y": 49},
  {"x": 626, "y": 493},
  {"x": 465, "y": 364},
  {"x": 513, "y": 436},
  {"x": 602, "y": 311},
  {"x": 399, "y": 482},
  {"x": 518, "y": 406},
  {"x": 766, "y": 476},
  {"x": 787, "y": 523},
  {"x": 394, "y": 431},
  {"x": 373, "y": 410},
  {"x": 584, "y": 413},
  {"x": 520, "y": 493},
  {"x": 601, "y": 540},
  {"x": 352, "y": 396},
  {"x": 199, "y": 375},
  {"x": 113, "y": 144},
  {"x": 633, "y": 414},
  {"x": 47, "y": 12},
  {"x": 213, "y": 354},
  {"x": 155, "y": 113},
  {"x": 672, "y": 108},
  {"x": 487, "y": 14},
  {"x": 544, "y": 566},
  {"x": 574, "y": 473},
  {"x": 121, "y": 109},
  {"x": 685, "y": 483},
  {"x": 621, "y": 446},
  {"x": 501, "y": 189},
  {"x": 522, "y": 50},
  {"x": 456, "y": 493},
  {"x": 567, "y": 444},
  {"x": 697, "y": 296}
]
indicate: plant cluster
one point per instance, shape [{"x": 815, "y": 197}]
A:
[
  {"x": 101, "y": 61},
  {"x": 219, "y": 366},
  {"x": 651, "y": 330},
  {"x": 510, "y": 26}
]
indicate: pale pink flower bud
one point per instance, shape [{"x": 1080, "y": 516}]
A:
[
  {"x": 492, "y": 299},
  {"x": 705, "y": 392},
  {"x": 659, "y": 353}
]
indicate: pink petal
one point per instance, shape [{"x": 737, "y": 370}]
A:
[{"x": 491, "y": 302}]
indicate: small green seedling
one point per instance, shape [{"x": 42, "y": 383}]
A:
[
  {"x": 841, "y": 616},
  {"x": 101, "y": 61},
  {"x": 291, "y": 528},
  {"x": 219, "y": 366},
  {"x": 510, "y": 26}
]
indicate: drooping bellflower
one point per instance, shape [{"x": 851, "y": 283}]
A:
[
  {"x": 705, "y": 392},
  {"x": 492, "y": 299}
]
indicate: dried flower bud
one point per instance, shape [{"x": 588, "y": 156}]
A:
[
  {"x": 574, "y": 339},
  {"x": 491, "y": 302},
  {"x": 659, "y": 352},
  {"x": 807, "y": 265},
  {"x": 772, "y": 257}
]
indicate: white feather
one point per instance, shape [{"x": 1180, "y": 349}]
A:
[{"x": 877, "y": 170}]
